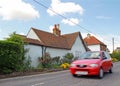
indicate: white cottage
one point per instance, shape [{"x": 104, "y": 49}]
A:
[
  {"x": 94, "y": 44},
  {"x": 54, "y": 43}
]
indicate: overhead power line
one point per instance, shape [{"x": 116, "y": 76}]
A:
[{"x": 62, "y": 16}]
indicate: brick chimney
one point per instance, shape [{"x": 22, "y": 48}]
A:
[{"x": 56, "y": 30}]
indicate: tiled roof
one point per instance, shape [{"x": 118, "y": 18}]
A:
[
  {"x": 31, "y": 41},
  {"x": 50, "y": 40},
  {"x": 70, "y": 38},
  {"x": 92, "y": 41}
]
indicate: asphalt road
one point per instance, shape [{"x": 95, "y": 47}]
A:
[{"x": 64, "y": 78}]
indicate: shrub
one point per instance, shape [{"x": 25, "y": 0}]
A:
[
  {"x": 39, "y": 66},
  {"x": 45, "y": 61},
  {"x": 25, "y": 60},
  {"x": 10, "y": 56},
  {"x": 114, "y": 59},
  {"x": 56, "y": 60},
  {"x": 49, "y": 62},
  {"x": 116, "y": 54},
  {"x": 65, "y": 65},
  {"x": 27, "y": 64},
  {"x": 67, "y": 58}
]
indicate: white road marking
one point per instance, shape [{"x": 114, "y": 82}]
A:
[{"x": 38, "y": 84}]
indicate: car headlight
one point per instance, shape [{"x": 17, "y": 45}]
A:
[
  {"x": 73, "y": 65},
  {"x": 93, "y": 65}
]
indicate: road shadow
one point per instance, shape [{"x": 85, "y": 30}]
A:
[{"x": 106, "y": 74}]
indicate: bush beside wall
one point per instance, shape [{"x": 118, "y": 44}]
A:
[{"x": 10, "y": 56}]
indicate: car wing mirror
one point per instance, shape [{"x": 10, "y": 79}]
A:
[{"x": 104, "y": 58}]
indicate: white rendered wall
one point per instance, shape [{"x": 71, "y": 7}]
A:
[
  {"x": 34, "y": 52},
  {"x": 78, "y": 47},
  {"x": 32, "y": 34},
  {"x": 57, "y": 52},
  {"x": 94, "y": 47}
]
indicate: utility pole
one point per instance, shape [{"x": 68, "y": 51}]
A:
[{"x": 113, "y": 43}]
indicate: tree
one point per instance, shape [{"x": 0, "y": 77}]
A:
[
  {"x": 16, "y": 38},
  {"x": 24, "y": 62},
  {"x": 116, "y": 54},
  {"x": 9, "y": 56}
]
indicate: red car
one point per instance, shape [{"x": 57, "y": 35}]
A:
[{"x": 92, "y": 63}]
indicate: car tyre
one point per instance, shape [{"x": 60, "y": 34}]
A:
[
  {"x": 74, "y": 75},
  {"x": 111, "y": 70},
  {"x": 101, "y": 73}
]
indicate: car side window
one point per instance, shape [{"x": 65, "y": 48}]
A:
[
  {"x": 104, "y": 56},
  {"x": 107, "y": 55}
]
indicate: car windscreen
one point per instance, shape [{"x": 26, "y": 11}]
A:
[{"x": 90, "y": 55}]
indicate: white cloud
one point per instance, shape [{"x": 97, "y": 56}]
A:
[
  {"x": 62, "y": 8},
  {"x": 71, "y": 21},
  {"x": 22, "y": 33},
  {"x": 17, "y": 9},
  {"x": 51, "y": 28},
  {"x": 103, "y": 17}
]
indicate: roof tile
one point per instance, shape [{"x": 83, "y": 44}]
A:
[
  {"x": 92, "y": 41},
  {"x": 50, "y": 40}
]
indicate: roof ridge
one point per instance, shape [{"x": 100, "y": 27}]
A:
[
  {"x": 98, "y": 40},
  {"x": 71, "y": 33},
  {"x": 41, "y": 30},
  {"x": 51, "y": 40},
  {"x": 93, "y": 42},
  {"x": 48, "y": 39}
]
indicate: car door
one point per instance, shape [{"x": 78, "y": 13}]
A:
[
  {"x": 104, "y": 62},
  {"x": 109, "y": 61}
]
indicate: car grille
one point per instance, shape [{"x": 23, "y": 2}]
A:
[{"x": 81, "y": 65}]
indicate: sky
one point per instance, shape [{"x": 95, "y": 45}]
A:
[{"x": 100, "y": 18}]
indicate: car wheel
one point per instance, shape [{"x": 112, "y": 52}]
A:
[
  {"x": 111, "y": 70},
  {"x": 101, "y": 73}
]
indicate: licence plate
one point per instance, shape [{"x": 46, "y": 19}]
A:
[{"x": 81, "y": 72}]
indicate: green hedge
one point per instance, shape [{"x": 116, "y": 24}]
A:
[
  {"x": 10, "y": 56},
  {"x": 116, "y": 54}
]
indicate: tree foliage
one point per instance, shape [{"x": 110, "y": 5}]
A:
[
  {"x": 12, "y": 54},
  {"x": 46, "y": 60},
  {"x": 116, "y": 54},
  {"x": 16, "y": 38},
  {"x": 67, "y": 58}
]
